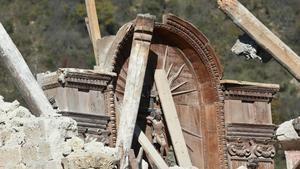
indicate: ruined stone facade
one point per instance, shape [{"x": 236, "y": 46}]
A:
[{"x": 250, "y": 133}]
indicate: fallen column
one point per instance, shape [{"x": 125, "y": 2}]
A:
[
  {"x": 262, "y": 35},
  {"x": 26, "y": 83},
  {"x": 134, "y": 83}
]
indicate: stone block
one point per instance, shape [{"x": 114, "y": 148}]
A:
[
  {"x": 76, "y": 161},
  {"x": 87, "y": 160},
  {"x": 292, "y": 159},
  {"x": 29, "y": 153},
  {"x": 18, "y": 166},
  {"x": 10, "y": 156},
  {"x": 44, "y": 152},
  {"x": 53, "y": 165},
  {"x": 76, "y": 144},
  {"x": 32, "y": 132},
  {"x": 286, "y": 131}
]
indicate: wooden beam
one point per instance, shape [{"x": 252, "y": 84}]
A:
[
  {"x": 25, "y": 81},
  {"x": 86, "y": 19},
  {"x": 246, "y": 83},
  {"x": 171, "y": 118},
  {"x": 132, "y": 160},
  {"x": 134, "y": 83},
  {"x": 93, "y": 25},
  {"x": 262, "y": 35},
  {"x": 150, "y": 150}
]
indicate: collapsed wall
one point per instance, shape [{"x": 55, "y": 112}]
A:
[{"x": 27, "y": 141}]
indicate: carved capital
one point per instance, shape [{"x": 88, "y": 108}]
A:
[
  {"x": 249, "y": 148},
  {"x": 265, "y": 151},
  {"x": 239, "y": 148}
]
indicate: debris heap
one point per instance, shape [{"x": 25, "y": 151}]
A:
[{"x": 27, "y": 141}]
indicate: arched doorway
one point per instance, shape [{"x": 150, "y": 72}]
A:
[{"x": 193, "y": 72}]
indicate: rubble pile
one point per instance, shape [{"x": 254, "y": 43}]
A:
[{"x": 27, "y": 141}]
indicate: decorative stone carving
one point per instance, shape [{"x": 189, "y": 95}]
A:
[
  {"x": 110, "y": 106},
  {"x": 83, "y": 79},
  {"x": 159, "y": 135},
  {"x": 85, "y": 95},
  {"x": 251, "y": 143},
  {"x": 248, "y": 91},
  {"x": 252, "y": 163},
  {"x": 265, "y": 151},
  {"x": 239, "y": 148},
  {"x": 248, "y": 147}
]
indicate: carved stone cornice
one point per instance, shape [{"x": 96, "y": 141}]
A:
[
  {"x": 81, "y": 79},
  {"x": 248, "y": 91},
  {"x": 259, "y": 132},
  {"x": 251, "y": 141}
]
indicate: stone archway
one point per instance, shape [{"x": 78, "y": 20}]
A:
[{"x": 189, "y": 60}]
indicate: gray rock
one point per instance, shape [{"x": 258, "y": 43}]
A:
[{"x": 286, "y": 131}]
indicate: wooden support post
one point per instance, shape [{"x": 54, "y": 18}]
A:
[
  {"x": 132, "y": 160},
  {"x": 86, "y": 19},
  {"x": 93, "y": 26},
  {"x": 134, "y": 83},
  {"x": 150, "y": 150},
  {"x": 171, "y": 118},
  {"x": 262, "y": 35},
  {"x": 25, "y": 81}
]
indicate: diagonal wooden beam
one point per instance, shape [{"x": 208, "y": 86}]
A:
[
  {"x": 93, "y": 26},
  {"x": 171, "y": 118},
  {"x": 262, "y": 35},
  {"x": 150, "y": 150},
  {"x": 25, "y": 81},
  {"x": 134, "y": 83}
]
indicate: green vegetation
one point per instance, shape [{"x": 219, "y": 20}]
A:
[{"x": 52, "y": 34}]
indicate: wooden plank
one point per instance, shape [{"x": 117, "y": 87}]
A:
[
  {"x": 150, "y": 150},
  {"x": 171, "y": 118},
  {"x": 246, "y": 83},
  {"x": 262, "y": 35},
  {"x": 93, "y": 25},
  {"x": 25, "y": 81},
  {"x": 86, "y": 19},
  {"x": 134, "y": 83},
  {"x": 132, "y": 160}
]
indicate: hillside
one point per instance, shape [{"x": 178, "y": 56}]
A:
[{"x": 52, "y": 34}]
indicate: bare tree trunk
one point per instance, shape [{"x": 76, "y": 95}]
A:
[{"x": 25, "y": 81}]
